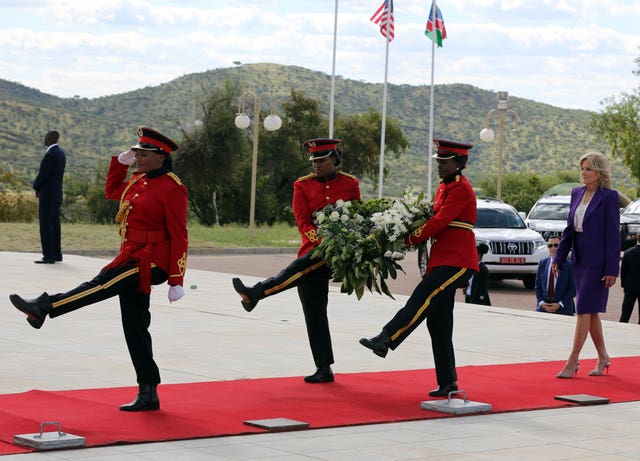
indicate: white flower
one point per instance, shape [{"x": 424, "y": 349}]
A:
[{"x": 369, "y": 244}]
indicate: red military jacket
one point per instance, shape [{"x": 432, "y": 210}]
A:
[
  {"x": 311, "y": 193},
  {"x": 451, "y": 226},
  {"x": 153, "y": 221}
]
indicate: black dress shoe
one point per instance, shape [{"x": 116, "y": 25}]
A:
[
  {"x": 45, "y": 261},
  {"x": 322, "y": 375},
  {"x": 250, "y": 295},
  {"x": 378, "y": 344},
  {"x": 58, "y": 259},
  {"x": 146, "y": 400},
  {"x": 443, "y": 391},
  {"x": 36, "y": 309}
]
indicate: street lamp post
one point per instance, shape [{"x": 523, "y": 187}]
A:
[
  {"x": 271, "y": 123},
  {"x": 487, "y": 134}
]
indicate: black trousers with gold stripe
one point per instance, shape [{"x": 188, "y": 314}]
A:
[
  {"x": 311, "y": 277},
  {"x": 134, "y": 310},
  {"x": 433, "y": 299}
]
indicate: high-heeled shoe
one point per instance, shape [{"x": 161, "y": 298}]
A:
[
  {"x": 600, "y": 367},
  {"x": 569, "y": 372}
]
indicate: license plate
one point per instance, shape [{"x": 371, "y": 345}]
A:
[{"x": 507, "y": 260}]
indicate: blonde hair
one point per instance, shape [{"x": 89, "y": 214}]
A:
[{"x": 600, "y": 165}]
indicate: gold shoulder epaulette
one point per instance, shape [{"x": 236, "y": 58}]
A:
[
  {"x": 175, "y": 178},
  {"x": 309, "y": 176},
  {"x": 348, "y": 175}
]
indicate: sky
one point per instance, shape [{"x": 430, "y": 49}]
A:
[{"x": 567, "y": 53}]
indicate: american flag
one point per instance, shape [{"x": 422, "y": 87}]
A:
[{"x": 384, "y": 18}]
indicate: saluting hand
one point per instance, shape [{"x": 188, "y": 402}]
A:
[{"x": 127, "y": 157}]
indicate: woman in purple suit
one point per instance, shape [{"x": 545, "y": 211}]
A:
[{"x": 592, "y": 236}]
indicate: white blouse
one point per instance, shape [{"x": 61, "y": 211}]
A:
[{"x": 578, "y": 217}]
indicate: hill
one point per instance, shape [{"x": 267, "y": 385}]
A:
[{"x": 548, "y": 139}]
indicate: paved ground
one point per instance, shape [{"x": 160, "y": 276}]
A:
[{"x": 207, "y": 336}]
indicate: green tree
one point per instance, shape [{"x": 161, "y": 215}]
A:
[
  {"x": 361, "y": 134},
  {"x": 15, "y": 205},
  {"x": 74, "y": 208},
  {"x": 209, "y": 158},
  {"x": 522, "y": 190},
  {"x": 215, "y": 160},
  {"x": 102, "y": 210},
  {"x": 619, "y": 126},
  {"x": 282, "y": 160}
]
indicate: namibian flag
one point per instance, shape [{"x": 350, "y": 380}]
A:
[{"x": 440, "y": 30}]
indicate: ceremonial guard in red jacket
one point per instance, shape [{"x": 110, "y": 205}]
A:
[
  {"x": 453, "y": 260},
  {"x": 311, "y": 193},
  {"x": 153, "y": 231}
]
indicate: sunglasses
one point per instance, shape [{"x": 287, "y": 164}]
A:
[{"x": 549, "y": 245}]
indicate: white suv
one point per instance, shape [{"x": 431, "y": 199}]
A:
[
  {"x": 548, "y": 215},
  {"x": 514, "y": 249}
]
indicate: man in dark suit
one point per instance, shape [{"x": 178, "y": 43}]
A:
[
  {"x": 477, "y": 290},
  {"x": 559, "y": 299},
  {"x": 630, "y": 280},
  {"x": 48, "y": 187}
]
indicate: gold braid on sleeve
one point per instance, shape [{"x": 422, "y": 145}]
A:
[
  {"x": 182, "y": 266},
  {"x": 312, "y": 235},
  {"x": 418, "y": 231}
]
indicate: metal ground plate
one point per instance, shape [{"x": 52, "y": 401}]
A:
[
  {"x": 49, "y": 440},
  {"x": 456, "y": 406},
  {"x": 583, "y": 399},
  {"x": 277, "y": 424}
]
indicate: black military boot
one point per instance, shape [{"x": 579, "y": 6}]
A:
[
  {"x": 146, "y": 400},
  {"x": 443, "y": 391},
  {"x": 36, "y": 309},
  {"x": 378, "y": 344},
  {"x": 322, "y": 375},
  {"x": 250, "y": 295}
]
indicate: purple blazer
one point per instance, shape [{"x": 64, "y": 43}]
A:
[{"x": 599, "y": 243}]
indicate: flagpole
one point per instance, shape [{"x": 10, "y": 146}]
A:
[
  {"x": 333, "y": 72},
  {"x": 384, "y": 111},
  {"x": 431, "y": 102}
]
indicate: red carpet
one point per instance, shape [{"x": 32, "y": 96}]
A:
[{"x": 219, "y": 408}]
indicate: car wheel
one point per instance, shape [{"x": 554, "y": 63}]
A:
[{"x": 529, "y": 282}]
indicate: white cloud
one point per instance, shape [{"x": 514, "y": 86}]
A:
[{"x": 108, "y": 46}]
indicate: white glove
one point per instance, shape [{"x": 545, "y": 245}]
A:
[
  {"x": 127, "y": 157},
  {"x": 175, "y": 293}
]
